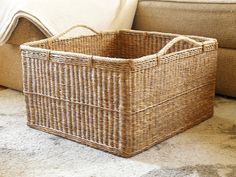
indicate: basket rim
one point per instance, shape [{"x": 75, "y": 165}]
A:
[
  {"x": 29, "y": 46},
  {"x": 108, "y": 59}
]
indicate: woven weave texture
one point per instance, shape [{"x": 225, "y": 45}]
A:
[{"x": 113, "y": 92}]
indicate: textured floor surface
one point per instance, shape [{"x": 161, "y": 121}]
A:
[{"x": 207, "y": 150}]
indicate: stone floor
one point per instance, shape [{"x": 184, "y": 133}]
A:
[{"x": 207, "y": 150}]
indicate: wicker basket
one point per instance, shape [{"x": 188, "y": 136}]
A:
[{"x": 121, "y": 91}]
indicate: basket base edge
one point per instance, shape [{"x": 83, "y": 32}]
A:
[{"x": 116, "y": 151}]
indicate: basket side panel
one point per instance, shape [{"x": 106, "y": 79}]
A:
[
  {"x": 172, "y": 78},
  {"x": 85, "y": 103},
  {"x": 171, "y": 97},
  {"x": 158, "y": 123}
]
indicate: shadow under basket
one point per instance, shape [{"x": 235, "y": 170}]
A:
[{"x": 121, "y": 91}]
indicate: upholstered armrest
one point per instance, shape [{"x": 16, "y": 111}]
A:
[{"x": 25, "y": 31}]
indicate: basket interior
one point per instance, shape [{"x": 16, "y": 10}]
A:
[{"x": 122, "y": 44}]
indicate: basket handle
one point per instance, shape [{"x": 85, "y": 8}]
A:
[
  {"x": 70, "y": 29},
  {"x": 62, "y": 34},
  {"x": 164, "y": 50}
]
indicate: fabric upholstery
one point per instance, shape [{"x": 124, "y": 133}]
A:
[
  {"x": 10, "y": 59},
  {"x": 25, "y": 32},
  {"x": 215, "y": 20},
  {"x": 226, "y": 72},
  {"x": 10, "y": 67},
  {"x": 198, "y": 1}
]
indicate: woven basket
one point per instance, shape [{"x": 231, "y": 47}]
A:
[{"x": 121, "y": 91}]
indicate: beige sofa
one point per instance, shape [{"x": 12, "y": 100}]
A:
[{"x": 213, "y": 18}]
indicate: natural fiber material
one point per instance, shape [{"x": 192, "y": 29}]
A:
[{"x": 115, "y": 91}]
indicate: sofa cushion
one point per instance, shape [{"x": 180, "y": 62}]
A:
[{"x": 215, "y": 19}]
